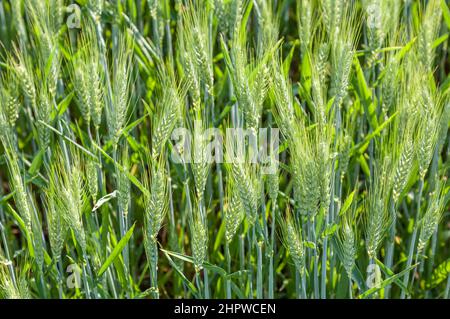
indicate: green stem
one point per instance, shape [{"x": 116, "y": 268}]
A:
[
  {"x": 154, "y": 270},
  {"x": 198, "y": 283},
  {"x": 418, "y": 260},
  {"x": 205, "y": 222},
  {"x": 111, "y": 282},
  {"x": 303, "y": 274},
  {"x": 43, "y": 284},
  {"x": 431, "y": 260},
  {"x": 372, "y": 266},
  {"x": 298, "y": 284},
  {"x": 122, "y": 220},
  {"x": 59, "y": 269},
  {"x": 323, "y": 288},
  {"x": 409, "y": 261},
  {"x": 241, "y": 255},
  {"x": 206, "y": 283}
]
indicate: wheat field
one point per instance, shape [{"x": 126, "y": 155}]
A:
[{"x": 120, "y": 176}]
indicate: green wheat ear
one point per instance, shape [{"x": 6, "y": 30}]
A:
[
  {"x": 196, "y": 48},
  {"x": 428, "y": 32},
  {"x": 10, "y": 97},
  {"x": 56, "y": 227},
  {"x": 87, "y": 76},
  {"x": 199, "y": 162},
  {"x": 123, "y": 182},
  {"x": 21, "y": 196},
  {"x": 23, "y": 70},
  {"x": 402, "y": 169}
]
